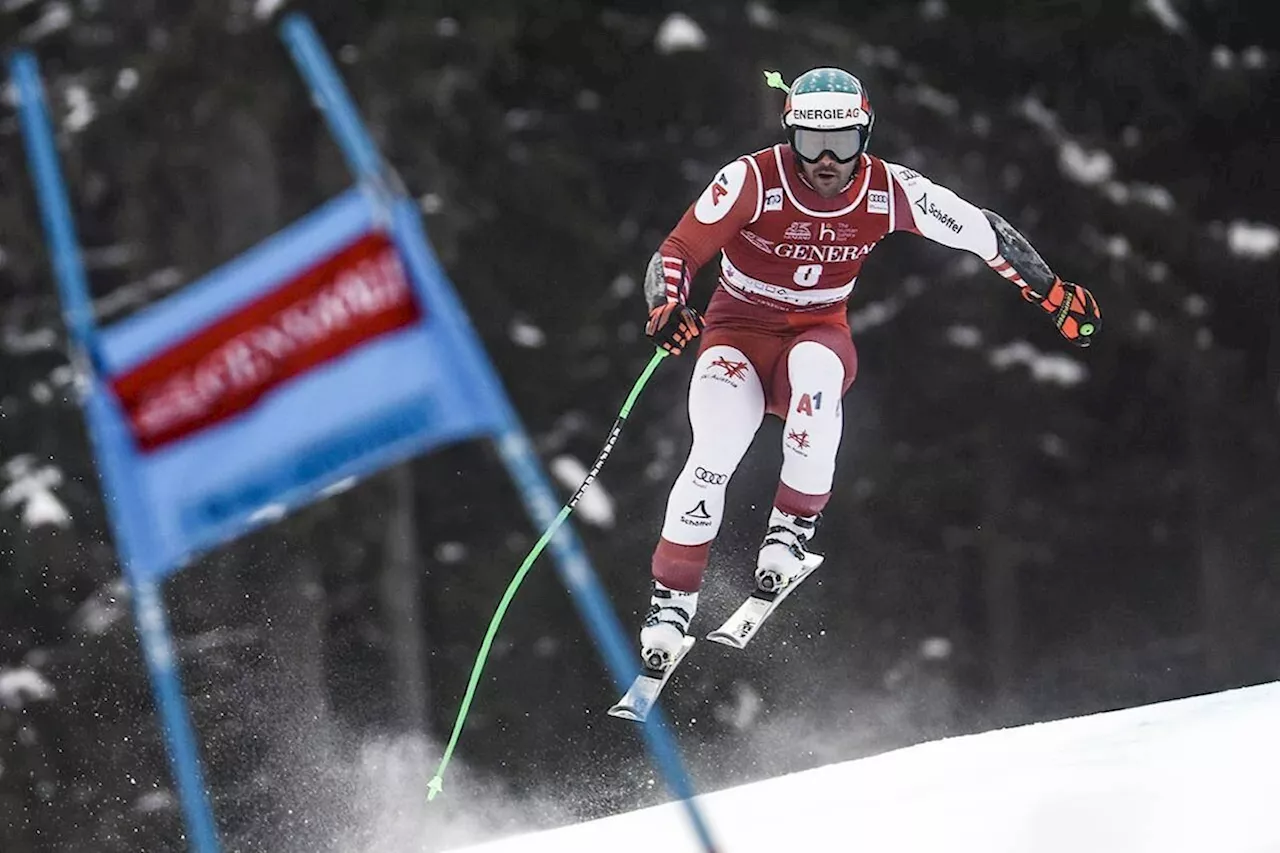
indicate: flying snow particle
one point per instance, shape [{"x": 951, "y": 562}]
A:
[
  {"x": 154, "y": 801},
  {"x": 935, "y": 648},
  {"x": 933, "y": 10},
  {"x": 32, "y": 489},
  {"x": 430, "y": 203},
  {"x": 1154, "y": 195},
  {"x": 1163, "y": 11},
  {"x": 81, "y": 109},
  {"x": 1054, "y": 368},
  {"x": 57, "y": 16},
  {"x": 936, "y": 100},
  {"x": 623, "y": 286},
  {"x": 126, "y": 81},
  {"x": 1035, "y": 111},
  {"x": 679, "y": 32},
  {"x": 873, "y": 314},
  {"x": 1253, "y": 57},
  {"x": 1116, "y": 246},
  {"x": 22, "y": 342},
  {"x": 22, "y": 685},
  {"x": 1116, "y": 191},
  {"x": 1255, "y": 240},
  {"x": 1195, "y": 305},
  {"x": 1053, "y": 445},
  {"x": 107, "y": 606},
  {"x": 451, "y": 552},
  {"x": 264, "y": 9},
  {"x": 525, "y": 334},
  {"x": 761, "y": 15},
  {"x": 1084, "y": 166},
  {"x": 965, "y": 337}
]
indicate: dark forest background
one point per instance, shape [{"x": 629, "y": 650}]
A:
[{"x": 1020, "y": 531}]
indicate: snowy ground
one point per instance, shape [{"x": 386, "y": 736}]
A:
[{"x": 1191, "y": 775}]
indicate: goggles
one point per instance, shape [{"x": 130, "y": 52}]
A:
[{"x": 843, "y": 145}]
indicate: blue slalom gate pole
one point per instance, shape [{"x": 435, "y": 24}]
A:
[
  {"x": 587, "y": 594},
  {"x": 77, "y": 309}
]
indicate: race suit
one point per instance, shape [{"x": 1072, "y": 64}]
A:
[{"x": 777, "y": 337}]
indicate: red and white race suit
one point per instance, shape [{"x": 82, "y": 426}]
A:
[{"x": 777, "y": 336}]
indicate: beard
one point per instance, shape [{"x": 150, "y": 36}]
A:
[{"x": 829, "y": 179}]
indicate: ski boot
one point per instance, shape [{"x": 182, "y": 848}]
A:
[
  {"x": 783, "y": 555},
  {"x": 665, "y": 626}
]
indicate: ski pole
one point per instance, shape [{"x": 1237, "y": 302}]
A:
[{"x": 436, "y": 785}]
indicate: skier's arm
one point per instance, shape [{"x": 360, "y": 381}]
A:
[
  {"x": 931, "y": 210},
  {"x": 725, "y": 207},
  {"x": 729, "y": 202}
]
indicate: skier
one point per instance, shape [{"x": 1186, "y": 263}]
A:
[{"x": 794, "y": 224}]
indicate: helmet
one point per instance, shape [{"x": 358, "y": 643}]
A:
[{"x": 827, "y": 112}]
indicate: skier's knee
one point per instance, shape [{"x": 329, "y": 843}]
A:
[
  {"x": 816, "y": 363},
  {"x": 816, "y": 377},
  {"x": 726, "y": 406}
]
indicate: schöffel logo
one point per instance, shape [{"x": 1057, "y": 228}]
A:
[
  {"x": 931, "y": 209},
  {"x": 698, "y": 516},
  {"x": 358, "y": 293}
]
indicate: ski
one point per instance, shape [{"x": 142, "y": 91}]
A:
[
  {"x": 639, "y": 698},
  {"x": 739, "y": 628}
]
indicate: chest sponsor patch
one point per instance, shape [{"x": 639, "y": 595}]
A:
[
  {"x": 878, "y": 201},
  {"x": 773, "y": 199},
  {"x": 799, "y": 231},
  {"x": 718, "y": 198}
]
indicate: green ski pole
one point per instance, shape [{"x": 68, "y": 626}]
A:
[{"x": 436, "y": 785}]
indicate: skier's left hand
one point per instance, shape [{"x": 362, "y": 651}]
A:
[
  {"x": 673, "y": 325},
  {"x": 1071, "y": 308}
]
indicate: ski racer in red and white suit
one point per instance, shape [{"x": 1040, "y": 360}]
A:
[{"x": 792, "y": 234}]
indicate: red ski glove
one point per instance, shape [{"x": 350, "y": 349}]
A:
[
  {"x": 1072, "y": 309},
  {"x": 672, "y": 325}
]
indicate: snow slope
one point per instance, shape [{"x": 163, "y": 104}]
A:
[{"x": 1189, "y": 775}]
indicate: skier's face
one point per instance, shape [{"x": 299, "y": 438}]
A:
[{"x": 827, "y": 176}]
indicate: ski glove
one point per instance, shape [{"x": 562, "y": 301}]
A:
[
  {"x": 1072, "y": 309},
  {"x": 672, "y": 325}
]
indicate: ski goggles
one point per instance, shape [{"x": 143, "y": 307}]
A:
[{"x": 843, "y": 145}]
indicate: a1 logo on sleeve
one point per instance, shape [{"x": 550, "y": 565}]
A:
[{"x": 720, "y": 194}]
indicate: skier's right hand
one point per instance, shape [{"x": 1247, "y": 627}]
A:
[
  {"x": 672, "y": 325},
  {"x": 1072, "y": 309}
]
